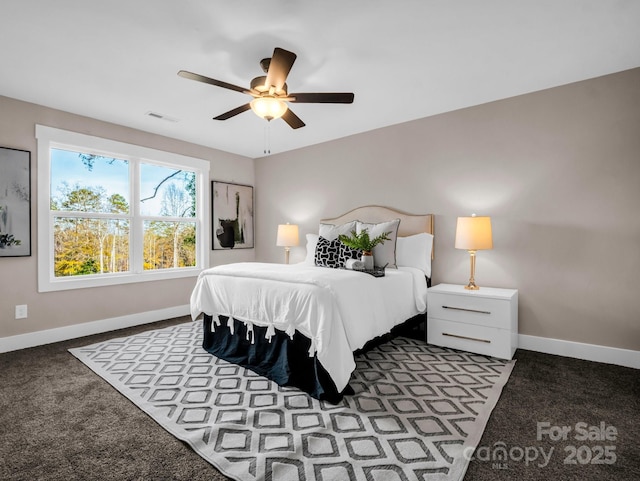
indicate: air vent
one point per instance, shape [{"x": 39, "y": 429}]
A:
[{"x": 156, "y": 115}]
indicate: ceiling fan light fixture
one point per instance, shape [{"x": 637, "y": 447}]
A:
[{"x": 268, "y": 108}]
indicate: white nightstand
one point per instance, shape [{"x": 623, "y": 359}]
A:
[{"x": 483, "y": 321}]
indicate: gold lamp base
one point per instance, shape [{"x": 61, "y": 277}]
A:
[{"x": 472, "y": 282}]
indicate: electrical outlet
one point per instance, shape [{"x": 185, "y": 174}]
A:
[{"x": 21, "y": 311}]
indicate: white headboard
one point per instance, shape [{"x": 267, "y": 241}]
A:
[{"x": 410, "y": 224}]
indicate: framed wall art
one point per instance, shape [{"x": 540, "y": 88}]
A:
[
  {"x": 232, "y": 215},
  {"x": 15, "y": 202}
]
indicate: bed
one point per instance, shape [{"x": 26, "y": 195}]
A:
[{"x": 299, "y": 325}]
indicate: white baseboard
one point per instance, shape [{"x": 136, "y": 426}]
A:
[
  {"x": 578, "y": 350},
  {"x": 40, "y": 338}
]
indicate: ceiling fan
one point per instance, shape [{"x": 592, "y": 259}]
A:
[{"x": 269, "y": 92}]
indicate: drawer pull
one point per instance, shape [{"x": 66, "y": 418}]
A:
[
  {"x": 467, "y": 338},
  {"x": 467, "y": 310}
]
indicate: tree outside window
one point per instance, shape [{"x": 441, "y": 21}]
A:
[{"x": 93, "y": 216}]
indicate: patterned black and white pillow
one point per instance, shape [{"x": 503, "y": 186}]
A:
[
  {"x": 328, "y": 253},
  {"x": 347, "y": 253}
]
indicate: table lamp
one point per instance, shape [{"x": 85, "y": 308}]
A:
[
  {"x": 473, "y": 234},
  {"x": 287, "y": 237}
]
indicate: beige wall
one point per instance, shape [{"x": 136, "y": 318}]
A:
[
  {"x": 18, "y": 276},
  {"x": 557, "y": 170}
]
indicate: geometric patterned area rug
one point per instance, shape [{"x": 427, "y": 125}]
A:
[{"x": 417, "y": 412}]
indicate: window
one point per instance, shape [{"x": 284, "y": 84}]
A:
[{"x": 112, "y": 213}]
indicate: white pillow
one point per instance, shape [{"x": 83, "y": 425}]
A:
[
  {"x": 383, "y": 254},
  {"x": 415, "y": 251},
  {"x": 312, "y": 242},
  {"x": 331, "y": 232}
]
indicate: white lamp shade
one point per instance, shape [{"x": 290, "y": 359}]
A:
[
  {"x": 287, "y": 235},
  {"x": 268, "y": 108},
  {"x": 474, "y": 233}
]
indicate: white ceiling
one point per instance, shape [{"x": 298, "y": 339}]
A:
[{"x": 116, "y": 60}]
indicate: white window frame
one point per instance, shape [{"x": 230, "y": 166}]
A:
[{"x": 48, "y": 138}]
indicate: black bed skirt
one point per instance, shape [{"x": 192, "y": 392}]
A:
[{"x": 284, "y": 360}]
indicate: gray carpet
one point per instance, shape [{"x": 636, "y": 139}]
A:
[
  {"x": 416, "y": 411},
  {"x": 59, "y": 421}
]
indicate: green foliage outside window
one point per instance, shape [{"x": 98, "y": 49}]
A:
[{"x": 86, "y": 242}]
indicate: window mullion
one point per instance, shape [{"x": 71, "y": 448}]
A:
[
  {"x": 137, "y": 233},
  {"x": 88, "y": 215}
]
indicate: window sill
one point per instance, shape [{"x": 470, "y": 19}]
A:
[{"x": 82, "y": 282}]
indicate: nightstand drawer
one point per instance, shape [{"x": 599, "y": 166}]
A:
[
  {"x": 468, "y": 337},
  {"x": 470, "y": 309}
]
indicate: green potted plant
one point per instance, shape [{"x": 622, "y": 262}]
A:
[{"x": 365, "y": 243}]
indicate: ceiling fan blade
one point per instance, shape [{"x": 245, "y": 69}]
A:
[
  {"x": 279, "y": 67},
  {"x": 292, "y": 119},
  {"x": 210, "y": 81},
  {"x": 323, "y": 98},
  {"x": 233, "y": 113}
]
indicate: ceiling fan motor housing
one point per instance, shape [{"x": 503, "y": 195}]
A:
[{"x": 259, "y": 84}]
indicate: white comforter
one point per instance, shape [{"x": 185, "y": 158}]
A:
[{"x": 339, "y": 310}]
